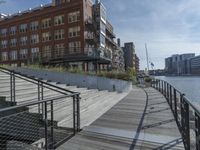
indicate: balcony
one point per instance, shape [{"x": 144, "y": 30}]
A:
[
  {"x": 109, "y": 29},
  {"x": 90, "y": 37},
  {"x": 111, "y": 41}
]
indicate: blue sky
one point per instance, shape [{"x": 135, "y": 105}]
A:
[{"x": 167, "y": 26}]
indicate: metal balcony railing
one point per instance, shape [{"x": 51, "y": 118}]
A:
[
  {"x": 32, "y": 112},
  {"x": 187, "y": 115}
]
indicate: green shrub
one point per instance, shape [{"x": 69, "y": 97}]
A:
[
  {"x": 147, "y": 79},
  {"x": 129, "y": 75}
]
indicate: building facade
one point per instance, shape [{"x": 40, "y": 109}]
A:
[
  {"x": 178, "y": 64},
  {"x": 129, "y": 55},
  {"x": 74, "y": 33},
  {"x": 194, "y": 65},
  {"x": 137, "y": 64}
]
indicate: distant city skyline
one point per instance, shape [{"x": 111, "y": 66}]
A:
[{"x": 168, "y": 30}]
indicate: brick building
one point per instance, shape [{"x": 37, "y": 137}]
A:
[{"x": 74, "y": 33}]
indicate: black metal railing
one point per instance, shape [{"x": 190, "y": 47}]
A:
[
  {"x": 186, "y": 113},
  {"x": 35, "y": 120}
]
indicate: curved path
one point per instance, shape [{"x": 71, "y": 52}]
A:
[{"x": 141, "y": 121}]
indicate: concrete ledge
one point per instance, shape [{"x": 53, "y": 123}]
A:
[{"x": 91, "y": 82}]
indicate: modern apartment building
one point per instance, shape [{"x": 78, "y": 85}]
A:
[
  {"x": 129, "y": 55},
  {"x": 178, "y": 64},
  {"x": 137, "y": 63},
  {"x": 74, "y": 33},
  {"x": 118, "y": 57},
  {"x": 194, "y": 65}
]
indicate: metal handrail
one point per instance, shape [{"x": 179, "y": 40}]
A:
[
  {"x": 26, "y": 104},
  {"x": 41, "y": 104},
  {"x": 182, "y": 117},
  {"x": 37, "y": 80},
  {"x": 185, "y": 97}
]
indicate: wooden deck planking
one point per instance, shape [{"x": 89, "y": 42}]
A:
[{"x": 131, "y": 124}]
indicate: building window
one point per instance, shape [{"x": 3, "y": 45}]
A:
[
  {"x": 34, "y": 25},
  {"x": 35, "y": 52},
  {"x": 46, "y": 52},
  {"x": 102, "y": 40},
  {"x": 59, "y": 50},
  {"x": 4, "y": 56},
  {"x": 13, "y": 42},
  {"x": 34, "y": 38},
  {"x": 74, "y": 16},
  {"x": 46, "y": 23},
  {"x": 23, "y": 40},
  {"x": 23, "y": 28},
  {"x": 46, "y": 36},
  {"x": 74, "y": 32},
  {"x": 58, "y": 20},
  {"x": 59, "y": 34},
  {"x": 4, "y": 44},
  {"x": 74, "y": 47},
  {"x": 13, "y": 30},
  {"x": 23, "y": 53},
  {"x": 3, "y": 32},
  {"x": 13, "y": 55}
]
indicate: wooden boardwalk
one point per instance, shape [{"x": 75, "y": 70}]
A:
[{"x": 136, "y": 122}]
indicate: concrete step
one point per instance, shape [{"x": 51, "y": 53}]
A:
[{"x": 95, "y": 104}]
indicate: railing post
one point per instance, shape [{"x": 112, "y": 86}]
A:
[
  {"x": 167, "y": 95},
  {"x": 11, "y": 87},
  {"x": 162, "y": 87},
  {"x": 185, "y": 122},
  {"x": 170, "y": 96},
  {"x": 197, "y": 131},
  {"x": 175, "y": 106},
  {"x": 52, "y": 126},
  {"x": 159, "y": 85},
  {"x": 76, "y": 113},
  {"x": 39, "y": 105},
  {"x": 46, "y": 126},
  {"x": 165, "y": 89},
  {"x": 14, "y": 91}
]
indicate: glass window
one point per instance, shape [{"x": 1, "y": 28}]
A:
[
  {"x": 23, "y": 53},
  {"x": 4, "y": 44},
  {"x": 46, "y": 36},
  {"x": 46, "y": 52},
  {"x": 24, "y": 40},
  {"x": 74, "y": 32},
  {"x": 4, "y": 32},
  {"x": 46, "y": 23},
  {"x": 13, "y": 55},
  {"x": 35, "y": 52},
  {"x": 13, "y": 30},
  {"x": 59, "y": 50},
  {"x": 34, "y": 38},
  {"x": 102, "y": 40},
  {"x": 74, "y": 16},
  {"x": 74, "y": 47},
  {"x": 4, "y": 56},
  {"x": 23, "y": 28},
  {"x": 34, "y": 25},
  {"x": 13, "y": 42},
  {"x": 59, "y": 34},
  {"x": 58, "y": 20}
]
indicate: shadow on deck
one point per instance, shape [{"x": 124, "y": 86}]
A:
[{"x": 142, "y": 120}]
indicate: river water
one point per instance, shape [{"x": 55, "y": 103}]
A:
[{"x": 190, "y": 86}]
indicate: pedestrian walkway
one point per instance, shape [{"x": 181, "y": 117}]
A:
[{"x": 141, "y": 121}]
